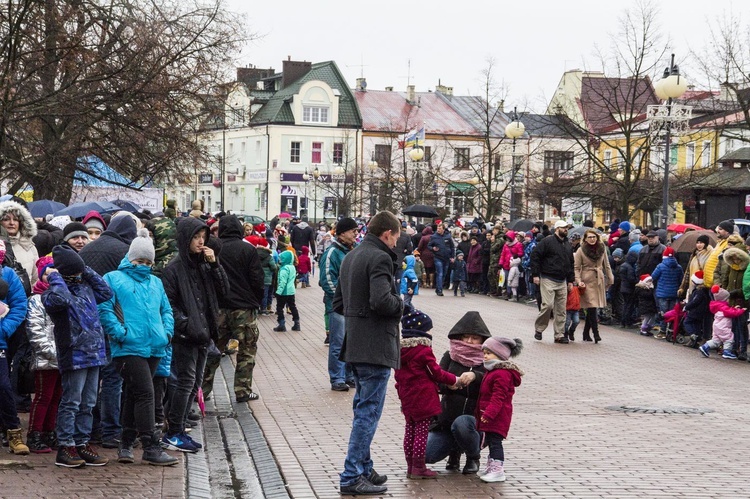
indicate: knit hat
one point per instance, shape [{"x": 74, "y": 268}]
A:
[
  {"x": 459, "y": 252},
  {"x": 697, "y": 278},
  {"x": 44, "y": 242},
  {"x": 142, "y": 247},
  {"x": 60, "y": 222},
  {"x": 75, "y": 229},
  {"x": 344, "y": 225},
  {"x": 260, "y": 228},
  {"x": 720, "y": 294},
  {"x": 43, "y": 264},
  {"x": 504, "y": 348},
  {"x": 93, "y": 220},
  {"x": 624, "y": 226},
  {"x": 415, "y": 324},
  {"x": 703, "y": 239},
  {"x": 470, "y": 323},
  {"x": 67, "y": 261},
  {"x": 575, "y": 237},
  {"x": 668, "y": 252},
  {"x": 727, "y": 225},
  {"x": 617, "y": 253},
  {"x": 634, "y": 235}
]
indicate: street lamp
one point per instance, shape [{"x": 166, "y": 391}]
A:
[
  {"x": 514, "y": 130},
  {"x": 670, "y": 117},
  {"x": 316, "y": 176},
  {"x": 306, "y": 178},
  {"x": 338, "y": 171},
  {"x": 416, "y": 154}
]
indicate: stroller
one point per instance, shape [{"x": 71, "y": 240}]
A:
[{"x": 674, "y": 319}]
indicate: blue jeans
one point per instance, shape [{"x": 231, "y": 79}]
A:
[
  {"x": 463, "y": 438},
  {"x": 665, "y": 305},
  {"x": 74, "y": 419},
  {"x": 8, "y": 415},
  {"x": 739, "y": 327},
  {"x": 372, "y": 382},
  {"x": 107, "y": 410},
  {"x": 338, "y": 371},
  {"x": 441, "y": 268},
  {"x": 267, "y": 297}
]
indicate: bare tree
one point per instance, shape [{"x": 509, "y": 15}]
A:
[{"x": 120, "y": 82}]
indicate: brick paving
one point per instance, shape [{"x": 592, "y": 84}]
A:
[{"x": 563, "y": 440}]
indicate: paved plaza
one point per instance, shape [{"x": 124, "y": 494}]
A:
[{"x": 565, "y": 440}]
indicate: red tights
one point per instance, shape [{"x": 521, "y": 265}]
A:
[{"x": 47, "y": 393}]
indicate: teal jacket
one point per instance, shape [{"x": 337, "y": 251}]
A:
[
  {"x": 142, "y": 324},
  {"x": 268, "y": 264},
  {"x": 330, "y": 263},
  {"x": 287, "y": 274}
]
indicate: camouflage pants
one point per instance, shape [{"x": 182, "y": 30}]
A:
[
  {"x": 492, "y": 277},
  {"x": 242, "y": 325}
]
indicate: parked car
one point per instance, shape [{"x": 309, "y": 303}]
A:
[
  {"x": 743, "y": 225},
  {"x": 253, "y": 219}
]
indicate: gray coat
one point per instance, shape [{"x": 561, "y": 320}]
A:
[{"x": 372, "y": 312}]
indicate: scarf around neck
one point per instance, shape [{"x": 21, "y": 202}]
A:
[{"x": 466, "y": 354}]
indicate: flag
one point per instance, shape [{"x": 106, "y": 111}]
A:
[{"x": 414, "y": 138}]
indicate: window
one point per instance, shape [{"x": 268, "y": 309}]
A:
[
  {"x": 383, "y": 155},
  {"x": 427, "y": 155},
  {"x": 690, "y": 155},
  {"x": 673, "y": 155},
  {"x": 295, "y": 152},
  {"x": 461, "y": 157},
  {"x": 558, "y": 160},
  {"x": 257, "y": 152},
  {"x": 706, "y": 154},
  {"x": 607, "y": 159},
  {"x": 314, "y": 114},
  {"x": 317, "y": 152},
  {"x": 338, "y": 153}
]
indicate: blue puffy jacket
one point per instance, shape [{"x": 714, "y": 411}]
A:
[
  {"x": 145, "y": 324},
  {"x": 668, "y": 277},
  {"x": 16, "y": 301},
  {"x": 409, "y": 276}
]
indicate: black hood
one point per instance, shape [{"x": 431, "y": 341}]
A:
[
  {"x": 470, "y": 323},
  {"x": 230, "y": 227},
  {"x": 124, "y": 227},
  {"x": 186, "y": 229}
]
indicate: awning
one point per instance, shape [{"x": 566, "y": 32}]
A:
[{"x": 462, "y": 187}]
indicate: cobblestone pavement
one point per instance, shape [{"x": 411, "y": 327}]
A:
[{"x": 564, "y": 441}]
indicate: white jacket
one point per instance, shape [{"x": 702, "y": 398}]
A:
[{"x": 41, "y": 333}]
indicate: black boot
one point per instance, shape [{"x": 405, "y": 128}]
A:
[
  {"x": 50, "y": 439},
  {"x": 571, "y": 334},
  {"x": 454, "y": 461},
  {"x": 471, "y": 466},
  {"x": 586, "y": 335},
  {"x": 597, "y": 338},
  {"x": 35, "y": 443},
  {"x": 153, "y": 453}
]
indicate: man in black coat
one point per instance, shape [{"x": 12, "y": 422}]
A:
[
  {"x": 302, "y": 234},
  {"x": 371, "y": 342},
  {"x": 552, "y": 271},
  {"x": 238, "y": 317},
  {"x": 442, "y": 245},
  {"x": 403, "y": 247}
]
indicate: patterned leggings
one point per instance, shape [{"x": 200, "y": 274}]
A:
[{"x": 415, "y": 438}]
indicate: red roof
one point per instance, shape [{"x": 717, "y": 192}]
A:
[
  {"x": 606, "y": 101},
  {"x": 390, "y": 111}
]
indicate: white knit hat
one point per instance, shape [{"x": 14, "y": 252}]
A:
[{"x": 142, "y": 247}]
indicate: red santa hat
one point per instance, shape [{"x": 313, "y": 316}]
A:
[
  {"x": 697, "y": 278},
  {"x": 668, "y": 252},
  {"x": 645, "y": 276}
]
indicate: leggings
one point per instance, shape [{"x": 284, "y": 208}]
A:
[
  {"x": 495, "y": 442},
  {"x": 415, "y": 438},
  {"x": 43, "y": 413},
  {"x": 591, "y": 323}
]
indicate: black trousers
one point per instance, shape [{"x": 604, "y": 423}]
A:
[
  {"x": 137, "y": 412},
  {"x": 591, "y": 324},
  {"x": 286, "y": 301}
]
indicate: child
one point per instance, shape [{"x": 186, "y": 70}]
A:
[
  {"x": 722, "y": 332},
  {"x": 644, "y": 293},
  {"x": 416, "y": 383},
  {"x": 459, "y": 274},
  {"x": 71, "y": 301},
  {"x": 668, "y": 277},
  {"x": 514, "y": 278},
  {"x": 572, "y": 310},
  {"x": 495, "y": 404},
  {"x": 304, "y": 267},
  {"x": 696, "y": 309},
  {"x": 419, "y": 267},
  {"x": 285, "y": 292},
  {"x": 268, "y": 263},
  {"x": 628, "y": 280},
  {"x": 409, "y": 280}
]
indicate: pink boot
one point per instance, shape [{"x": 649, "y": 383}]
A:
[{"x": 419, "y": 470}]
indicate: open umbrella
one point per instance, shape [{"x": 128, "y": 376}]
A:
[
  {"x": 581, "y": 230},
  {"x": 521, "y": 225},
  {"x": 686, "y": 242},
  {"x": 44, "y": 207},
  {"x": 680, "y": 228},
  {"x": 128, "y": 206},
  {"x": 284, "y": 214},
  {"x": 420, "y": 210},
  {"x": 79, "y": 210}
]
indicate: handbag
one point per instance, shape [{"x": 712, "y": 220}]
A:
[{"x": 501, "y": 279}]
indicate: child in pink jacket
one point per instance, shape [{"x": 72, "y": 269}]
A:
[{"x": 722, "y": 331}]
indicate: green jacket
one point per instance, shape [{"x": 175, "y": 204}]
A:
[
  {"x": 330, "y": 263},
  {"x": 268, "y": 264},
  {"x": 287, "y": 274}
]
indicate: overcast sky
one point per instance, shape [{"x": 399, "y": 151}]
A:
[{"x": 532, "y": 42}]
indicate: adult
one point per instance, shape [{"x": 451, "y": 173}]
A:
[
  {"x": 474, "y": 264},
  {"x": 464, "y": 245},
  {"x": 575, "y": 242},
  {"x": 650, "y": 255},
  {"x": 723, "y": 231},
  {"x": 302, "y": 234},
  {"x": 140, "y": 330},
  {"x": 497, "y": 241},
  {"x": 484, "y": 281},
  {"x": 593, "y": 275},
  {"x": 552, "y": 270},
  {"x": 367, "y": 297},
  {"x": 697, "y": 262},
  {"x": 238, "y": 315},
  {"x": 447, "y": 437},
  {"x": 623, "y": 239},
  {"x": 21, "y": 228},
  {"x": 428, "y": 257},
  {"x": 403, "y": 247},
  {"x": 339, "y": 372},
  {"x": 76, "y": 236},
  {"x": 171, "y": 210},
  {"x": 733, "y": 267},
  {"x": 635, "y": 241},
  {"x": 444, "y": 250},
  {"x": 511, "y": 249},
  {"x": 193, "y": 280}
]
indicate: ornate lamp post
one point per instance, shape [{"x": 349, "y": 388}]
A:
[
  {"x": 339, "y": 172},
  {"x": 316, "y": 176},
  {"x": 514, "y": 130},
  {"x": 306, "y": 178},
  {"x": 373, "y": 167},
  {"x": 671, "y": 118}
]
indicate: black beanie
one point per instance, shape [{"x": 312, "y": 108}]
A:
[
  {"x": 75, "y": 229},
  {"x": 44, "y": 242},
  {"x": 345, "y": 224},
  {"x": 703, "y": 239},
  {"x": 727, "y": 225},
  {"x": 67, "y": 261}
]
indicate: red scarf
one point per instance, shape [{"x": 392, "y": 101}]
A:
[{"x": 466, "y": 354}]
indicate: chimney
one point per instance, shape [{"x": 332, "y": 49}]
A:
[
  {"x": 501, "y": 105},
  {"x": 726, "y": 92},
  {"x": 361, "y": 85},
  {"x": 251, "y": 75},
  {"x": 411, "y": 95},
  {"x": 293, "y": 71},
  {"x": 444, "y": 90},
  {"x": 389, "y": 89}
]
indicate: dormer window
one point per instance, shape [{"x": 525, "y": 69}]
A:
[{"x": 315, "y": 114}]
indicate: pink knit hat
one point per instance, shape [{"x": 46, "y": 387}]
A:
[{"x": 504, "y": 348}]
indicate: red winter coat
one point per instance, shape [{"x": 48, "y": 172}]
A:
[
  {"x": 512, "y": 249},
  {"x": 304, "y": 265},
  {"x": 428, "y": 257},
  {"x": 495, "y": 402},
  {"x": 474, "y": 259},
  {"x": 417, "y": 380}
]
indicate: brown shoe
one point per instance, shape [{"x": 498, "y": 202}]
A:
[
  {"x": 15, "y": 442},
  {"x": 90, "y": 456}
]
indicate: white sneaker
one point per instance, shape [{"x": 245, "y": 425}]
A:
[{"x": 494, "y": 472}]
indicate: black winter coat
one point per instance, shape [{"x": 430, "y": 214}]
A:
[
  {"x": 367, "y": 297},
  {"x": 241, "y": 263},
  {"x": 553, "y": 258},
  {"x": 458, "y": 402},
  {"x": 403, "y": 247},
  {"x": 646, "y": 300},
  {"x": 192, "y": 286},
  {"x": 105, "y": 254},
  {"x": 628, "y": 279}
]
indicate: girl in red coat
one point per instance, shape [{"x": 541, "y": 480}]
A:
[
  {"x": 495, "y": 405},
  {"x": 417, "y": 385}
]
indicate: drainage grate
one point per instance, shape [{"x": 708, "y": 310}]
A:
[{"x": 636, "y": 409}]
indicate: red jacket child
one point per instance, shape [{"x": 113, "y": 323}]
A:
[
  {"x": 303, "y": 267},
  {"x": 574, "y": 300},
  {"x": 494, "y": 409}
]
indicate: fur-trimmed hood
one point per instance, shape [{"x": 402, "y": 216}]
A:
[
  {"x": 737, "y": 258},
  {"x": 28, "y": 226},
  {"x": 509, "y": 365},
  {"x": 416, "y": 341}
]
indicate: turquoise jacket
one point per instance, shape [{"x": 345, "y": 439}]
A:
[
  {"x": 142, "y": 324},
  {"x": 287, "y": 274}
]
